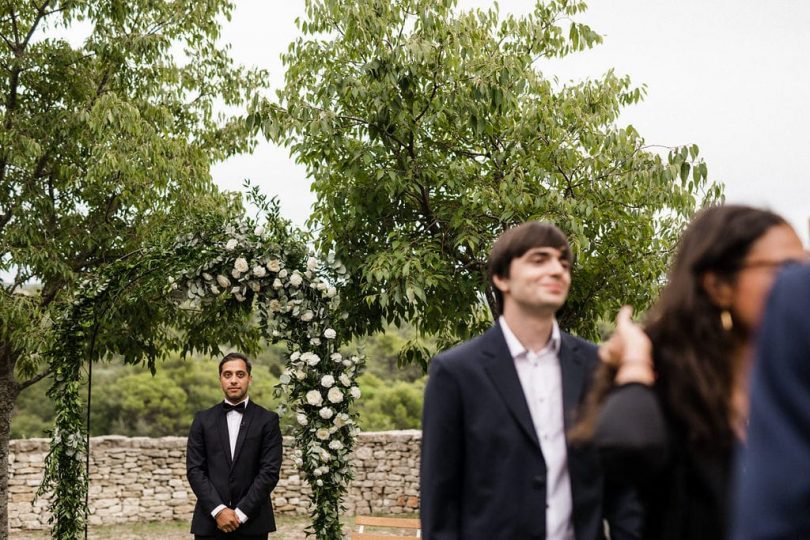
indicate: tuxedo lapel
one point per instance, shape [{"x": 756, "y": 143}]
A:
[
  {"x": 244, "y": 426},
  {"x": 572, "y": 369},
  {"x": 222, "y": 431},
  {"x": 501, "y": 370}
]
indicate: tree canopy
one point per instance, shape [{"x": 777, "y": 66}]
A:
[
  {"x": 106, "y": 141},
  {"x": 427, "y": 131}
]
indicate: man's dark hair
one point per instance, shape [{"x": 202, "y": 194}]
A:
[
  {"x": 235, "y": 356},
  {"x": 515, "y": 242}
]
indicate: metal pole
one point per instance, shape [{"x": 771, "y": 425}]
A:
[{"x": 87, "y": 456}]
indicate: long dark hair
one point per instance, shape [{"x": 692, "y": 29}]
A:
[{"x": 691, "y": 349}]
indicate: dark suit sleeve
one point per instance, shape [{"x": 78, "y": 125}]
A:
[
  {"x": 773, "y": 492},
  {"x": 197, "y": 467},
  {"x": 442, "y": 456},
  {"x": 269, "y": 467},
  {"x": 631, "y": 433},
  {"x": 623, "y": 510}
]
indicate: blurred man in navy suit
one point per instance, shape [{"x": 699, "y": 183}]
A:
[
  {"x": 495, "y": 460},
  {"x": 773, "y": 489}
]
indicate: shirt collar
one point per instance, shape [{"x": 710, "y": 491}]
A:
[
  {"x": 245, "y": 401},
  {"x": 516, "y": 348}
]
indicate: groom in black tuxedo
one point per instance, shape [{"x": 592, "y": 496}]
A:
[
  {"x": 233, "y": 460},
  {"x": 495, "y": 460}
]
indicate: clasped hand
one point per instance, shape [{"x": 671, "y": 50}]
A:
[{"x": 227, "y": 520}]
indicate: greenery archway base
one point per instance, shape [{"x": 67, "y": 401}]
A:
[{"x": 229, "y": 284}]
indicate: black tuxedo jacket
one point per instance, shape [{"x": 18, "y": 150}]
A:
[
  {"x": 244, "y": 481},
  {"x": 482, "y": 470}
]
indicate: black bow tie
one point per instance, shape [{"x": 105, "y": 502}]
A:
[{"x": 239, "y": 407}]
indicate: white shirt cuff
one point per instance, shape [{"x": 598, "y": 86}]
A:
[
  {"x": 217, "y": 510},
  {"x": 241, "y": 515}
]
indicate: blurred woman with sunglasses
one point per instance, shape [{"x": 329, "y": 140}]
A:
[{"x": 670, "y": 402}]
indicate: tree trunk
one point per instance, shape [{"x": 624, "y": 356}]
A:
[{"x": 9, "y": 390}]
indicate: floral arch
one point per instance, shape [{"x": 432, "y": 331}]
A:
[{"x": 244, "y": 277}]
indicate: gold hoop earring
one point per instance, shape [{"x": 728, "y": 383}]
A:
[{"x": 726, "y": 321}]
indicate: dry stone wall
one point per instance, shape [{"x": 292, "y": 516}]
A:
[{"x": 143, "y": 479}]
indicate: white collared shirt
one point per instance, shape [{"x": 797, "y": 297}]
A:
[
  {"x": 541, "y": 379},
  {"x": 234, "y": 420}
]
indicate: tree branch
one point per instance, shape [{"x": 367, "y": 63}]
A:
[{"x": 33, "y": 380}]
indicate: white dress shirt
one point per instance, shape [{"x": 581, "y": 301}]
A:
[
  {"x": 541, "y": 379},
  {"x": 234, "y": 420}
]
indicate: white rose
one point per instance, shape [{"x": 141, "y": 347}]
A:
[
  {"x": 315, "y": 341},
  {"x": 347, "y": 363},
  {"x": 296, "y": 280},
  {"x": 275, "y": 305},
  {"x": 326, "y": 413},
  {"x": 327, "y": 381},
  {"x": 258, "y": 231},
  {"x": 254, "y": 286},
  {"x": 223, "y": 281},
  {"x": 354, "y": 359},
  {"x": 335, "y": 395},
  {"x": 317, "y": 472},
  {"x": 307, "y": 316},
  {"x": 319, "y": 482},
  {"x": 284, "y": 378},
  {"x": 241, "y": 265},
  {"x": 355, "y": 392},
  {"x": 300, "y": 375},
  {"x": 329, "y": 333},
  {"x": 295, "y": 356},
  {"x": 336, "y": 357},
  {"x": 345, "y": 380},
  {"x": 331, "y": 292},
  {"x": 340, "y": 421},
  {"x": 273, "y": 265},
  {"x": 283, "y": 273},
  {"x": 236, "y": 273},
  {"x": 299, "y": 462},
  {"x": 277, "y": 284},
  {"x": 335, "y": 445},
  {"x": 231, "y": 244},
  {"x": 325, "y": 456},
  {"x": 302, "y": 419},
  {"x": 322, "y": 434},
  {"x": 312, "y": 359},
  {"x": 312, "y": 263},
  {"x": 259, "y": 271},
  {"x": 314, "y": 398}
]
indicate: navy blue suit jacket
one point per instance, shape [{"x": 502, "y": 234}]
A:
[
  {"x": 773, "y": 495},
  {"x": 482, "y": 470},
  {"x": 244, "y": 481}
]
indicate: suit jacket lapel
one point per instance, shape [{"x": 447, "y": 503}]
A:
[
  {"x": 222, "y": 430},
  {"x": 572, "y": 369},
  {"x": 247, "y": 416},
  {"x": 500, "y": 367}
]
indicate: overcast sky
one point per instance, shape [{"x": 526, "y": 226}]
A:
[{"x": 732, "y": 77}]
